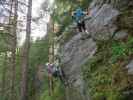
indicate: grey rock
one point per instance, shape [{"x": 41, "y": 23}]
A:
[
  {"x": 121, "y": 34},
  {"x": 94, "y": 11},
  {"x": 119, "y": 4},
  {"x": 130, "y": 68},
  {"x": 102, "y": 24},
  {"x": 75, "y": 53}
]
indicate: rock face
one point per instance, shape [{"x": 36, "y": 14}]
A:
[
  {"x": 119, "y": 4},
  {"x": 102, "y": 25},
  {"x": 130, "y": 68},
  {"x": 75, "y": 53},
  {"x": 108, "y": 18},
  {"x": 121, "y": 34}
]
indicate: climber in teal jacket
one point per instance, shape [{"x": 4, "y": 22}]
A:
[{"x": 78, "y": 16}]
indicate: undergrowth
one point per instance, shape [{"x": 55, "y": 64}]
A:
[{"x": 105, "y": 74}]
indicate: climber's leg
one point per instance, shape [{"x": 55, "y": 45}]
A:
[
  {"x": 50, "y": 84},
  {"x": 61, "y": 76},
  {"x": 83, "y": 26},
  {"x": 84, "y": 35},
  {"x": 61, "y": 79},
  {"x": 79, "y": 27}
]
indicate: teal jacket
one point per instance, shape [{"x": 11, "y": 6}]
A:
[{"x": 78, "y": 15}]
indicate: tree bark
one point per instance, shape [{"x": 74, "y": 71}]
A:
[
  {"x": 25, "y": 55},
  {"x": 13, "y": 48},
  {"x": 4, "y": 76}
]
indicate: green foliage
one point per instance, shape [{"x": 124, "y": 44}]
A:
[
  {"x": 58, "y": 93},
  {"x": 118, "y": 50},
  {"x": 104, "y": 74},
  {"x": 66, "y": 37},
  {"x": 115, "y": 95},
  {"x": 39, "y": 52},
  {"x": 62, "y": 14},
  {"x": 85, "y": 3},
  {"x": 3, "y": 42},
  {"x": 122, "y": 49},
  {"x": 125, "y": 19},
  {"x": 38, "y": 56}
]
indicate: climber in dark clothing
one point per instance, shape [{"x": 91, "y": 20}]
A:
[
  {"x": 56, "y": 72},
  {"x": 59, "y": 73},
  {"x": 78, "y": 15},
  {"x": 81, "y": 26}
]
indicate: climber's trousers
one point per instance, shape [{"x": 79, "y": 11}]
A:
[{"x": 81, "y": 26}]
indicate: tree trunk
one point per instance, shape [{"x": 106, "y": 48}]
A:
[
  {"x": 13, "y": 48},
  {"x": 25, "y": 55},
  {"x": 4, "y": 76}
]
